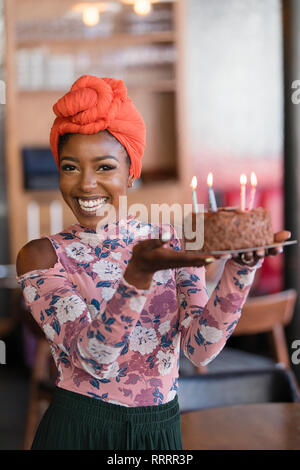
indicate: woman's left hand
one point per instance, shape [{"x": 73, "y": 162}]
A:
[{"x": 252, "y": 257}]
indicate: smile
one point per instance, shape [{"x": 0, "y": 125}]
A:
[{"x": 91, "y": 205}]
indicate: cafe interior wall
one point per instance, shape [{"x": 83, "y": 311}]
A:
[
  {"x": 233, "y": 93},
  {"x": 3, "y": 200},
  {"x": 231, "y": 105}
]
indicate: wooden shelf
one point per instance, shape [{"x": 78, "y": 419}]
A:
[
  {"x": 116, "y": 40},
  {"x": 158, "y": 86}
]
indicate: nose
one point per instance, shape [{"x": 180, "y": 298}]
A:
[{"x": 88, "y": 181}]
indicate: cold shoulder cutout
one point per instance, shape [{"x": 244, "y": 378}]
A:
[{"x": 35, "y": 255}]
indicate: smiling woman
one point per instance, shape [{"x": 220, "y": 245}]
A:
[
  {"x": 117, "y": 309},
  {"x": 94, "y": 170}
]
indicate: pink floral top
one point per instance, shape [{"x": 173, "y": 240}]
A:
[{"x": 120, "y": 344}]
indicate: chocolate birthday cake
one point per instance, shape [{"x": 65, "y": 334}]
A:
[{"x": 233, "y": 229}]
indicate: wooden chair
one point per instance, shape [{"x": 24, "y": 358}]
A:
[{"x": 265, "y": 314}]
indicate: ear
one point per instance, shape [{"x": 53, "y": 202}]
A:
[{"x": 130, "y": 181}]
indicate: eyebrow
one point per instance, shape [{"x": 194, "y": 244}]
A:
[{"x": 95, "y": 159}]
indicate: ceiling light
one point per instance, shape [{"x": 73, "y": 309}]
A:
[
  {"x": 142, "y": 7},
  {"x": 90, "y": 11},
  {"x": 90, "y": 16}
]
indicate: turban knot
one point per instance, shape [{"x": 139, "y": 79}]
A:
[{"x": 94, "y": 104}]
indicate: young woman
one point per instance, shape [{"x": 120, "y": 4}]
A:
[{"x": 117, "y": 310}]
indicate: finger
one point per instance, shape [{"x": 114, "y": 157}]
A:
[
  {"x": 165, "y": 257},
  {"x": 215, "y": 256},
  {"x": 223, "y": 257},
  {"x": 282, "y": 236},
  {"x": 248, "y": 256},
  {"x": 261, "y": 253},
  {"x": 190, "y": 257},
  {"x": 149, "y": 244},
  {"x": 191, "y": 260},
  {"x": 275, "y": 251}
]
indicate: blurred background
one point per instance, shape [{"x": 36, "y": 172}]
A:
[{"x": 213, "y": 82}]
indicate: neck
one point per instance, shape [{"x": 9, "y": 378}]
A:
[{"x": 104, "y": 223}]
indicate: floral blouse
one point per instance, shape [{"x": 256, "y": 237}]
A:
[{"x": 120, "y": 344}]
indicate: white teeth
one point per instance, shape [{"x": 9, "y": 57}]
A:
[{"x": 91, "y": 205}]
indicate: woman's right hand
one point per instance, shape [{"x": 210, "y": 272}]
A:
[{"x": 151, "y": 255}]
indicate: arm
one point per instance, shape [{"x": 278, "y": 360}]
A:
[
  {"x": 206, "y": 323},
  {"x": 64, "y": 316}
]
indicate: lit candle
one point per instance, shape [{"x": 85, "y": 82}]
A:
[
  {"x": 194, "y": 194},
  {"x": 211, "y": 194},
  {"x": 243, "y": 181},
  {"x": 253, "y": 190}
]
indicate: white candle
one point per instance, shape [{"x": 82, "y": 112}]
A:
[
  {"x": 253, "y": 190},
  {"x": 194, "y": 194},
  {"x": 211, "y": 194},
  {"x": 243, "y": 181}
]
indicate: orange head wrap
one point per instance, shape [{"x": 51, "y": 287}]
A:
[{"x": 94, "y": 104}]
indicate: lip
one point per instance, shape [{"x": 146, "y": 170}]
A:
[
  {"x": 82, "y": 211},
  {"x": 88, "y": 198}
]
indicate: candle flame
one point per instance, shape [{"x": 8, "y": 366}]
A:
[
  {"x": 194, "y": 183},
  {"x": 253, "y": 179},
  {"x": 210, "y": 179},
  {"x": 243, "y": 179}
]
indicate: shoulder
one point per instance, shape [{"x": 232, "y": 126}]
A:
[{"x": 36, "y": 254}]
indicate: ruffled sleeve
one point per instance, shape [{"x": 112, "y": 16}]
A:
[{"x": 206, "y": 322}]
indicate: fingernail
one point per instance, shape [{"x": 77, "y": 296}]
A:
[{"x": 166, "y": 236}]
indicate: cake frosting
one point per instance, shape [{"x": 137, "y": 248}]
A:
[{"x": 233, "y": 229}]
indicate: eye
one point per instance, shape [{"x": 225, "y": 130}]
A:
[
  {"x": 106, "y": 167},
  {"x": 68, "y": 167}
]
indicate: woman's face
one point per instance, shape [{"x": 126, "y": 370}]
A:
[{"x": 93, "y": 172}]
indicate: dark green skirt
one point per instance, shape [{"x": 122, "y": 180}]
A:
[{"x": 74, "y": 421}]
